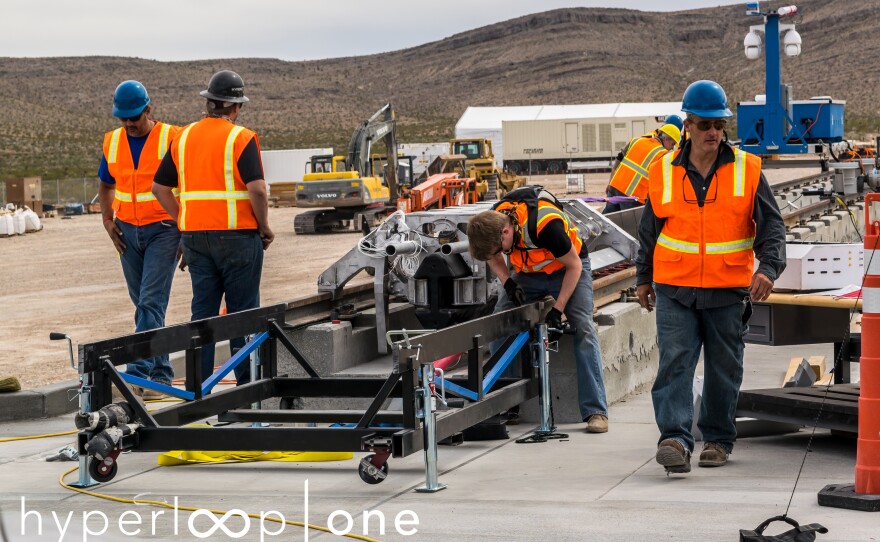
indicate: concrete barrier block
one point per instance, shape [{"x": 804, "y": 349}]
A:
[
  {"x": 820, "y": 231},
  {"x": 21, "y": 405},
  {"x": 802, "y": 234},
  {"x": 60, "y": 398},
  {"x": 628, "y": 340}
]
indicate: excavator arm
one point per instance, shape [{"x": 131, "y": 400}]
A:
[{"x": 378, "y": 128}]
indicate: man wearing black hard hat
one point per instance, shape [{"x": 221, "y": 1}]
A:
[{"x": 223, "y": 209}]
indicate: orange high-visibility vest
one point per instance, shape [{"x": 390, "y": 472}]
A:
[
  {"x": 632, "y": 173},
  {"x": 134, "y": 202},
  {"x": 212, "y": 194},
  {"x": 709, "y": 246},
  {"x": 526, "y": 256}
]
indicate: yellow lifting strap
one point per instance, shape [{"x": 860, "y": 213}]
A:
[{"x": 193, "y": 457}]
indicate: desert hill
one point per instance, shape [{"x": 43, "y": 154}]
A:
[{"x": 56, "y": 109}]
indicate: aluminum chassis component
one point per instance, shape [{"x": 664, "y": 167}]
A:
[
  {"x": 608, "y": 243},
  {"x": 165, "y": 429}
]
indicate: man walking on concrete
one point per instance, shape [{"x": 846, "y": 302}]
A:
[
  {"x": 145, "y": 236},
  {"x": 710, "y": 212},
  {"x": 223, "y": 212}
]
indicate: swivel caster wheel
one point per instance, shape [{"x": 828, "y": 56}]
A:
[
  {"x": 370, "y": 473},
  {"x": 101, "y": 471}
]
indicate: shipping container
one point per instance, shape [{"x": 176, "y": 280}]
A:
[
  {"x": 579, "y": 137},
  {"x": 552, "y": 136}
]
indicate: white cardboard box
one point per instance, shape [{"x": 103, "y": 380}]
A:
[{"x": 821, "y": 266}]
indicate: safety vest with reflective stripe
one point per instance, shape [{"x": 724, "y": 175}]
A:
[
  {"x": 212, "y": 194},
  {"x": 526, "y": 256},
  {"x": 709, "y": 246},
  {"x": 631, "y": 176},
  {"x": 134, "y": 202}
]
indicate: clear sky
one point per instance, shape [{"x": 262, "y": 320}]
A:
[{"x": 286, "y": 29}]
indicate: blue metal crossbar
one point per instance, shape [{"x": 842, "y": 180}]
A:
[
  {"x": 234, "y": 361},
  {"x": 492, "y": 378}
]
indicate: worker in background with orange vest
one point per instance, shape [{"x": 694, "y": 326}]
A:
[
  {"x": 145, "y": 236},
  {"x": 710, "y": 213},
  {"x": 223, "y": 212},
  {"x": 548, "y": 258},
  {"x": 630, "y": 175}
]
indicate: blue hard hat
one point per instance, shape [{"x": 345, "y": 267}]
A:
[
  {"x": 676, "y": 121},
  {"x": 130, "y": 99},
  {"x": 705, "y": 99}
]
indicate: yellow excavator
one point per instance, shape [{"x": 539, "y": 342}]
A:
[{"x": 354, "y": 191}]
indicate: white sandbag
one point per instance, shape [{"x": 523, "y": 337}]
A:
[
  {"x": 18, "y": 223},
  {"x": 31, "y": 221},
  {"x": 6, "y": 225}
]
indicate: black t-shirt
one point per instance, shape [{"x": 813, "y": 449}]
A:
[
  {"x": 250, "y": 167},
  {"x": 554, "y": 238}
]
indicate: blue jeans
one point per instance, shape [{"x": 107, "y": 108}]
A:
[
  {"x": 579, "y": 312},
  {"x": 222, "y": 263},
  {"x": 148, "y": 263},
  {"x": 681, "y": 333}
]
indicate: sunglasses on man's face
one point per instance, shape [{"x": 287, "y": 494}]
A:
[
  {"x": 704, "y": 125},
  {"x": 132, "y": 119}
]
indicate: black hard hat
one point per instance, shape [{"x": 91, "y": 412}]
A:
[{"x": 225, "y": 86}]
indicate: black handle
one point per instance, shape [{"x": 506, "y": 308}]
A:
[
  {"x": 55, "y": 336},
  {"x": 760, "y": 528}
]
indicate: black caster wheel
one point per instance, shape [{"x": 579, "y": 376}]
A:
[
  {"x": 101, "y": 471},
  {"x": 369, "y": 473}
]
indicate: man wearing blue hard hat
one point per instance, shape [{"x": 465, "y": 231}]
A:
[
  {"x": 710, "y": 213},
  {"x": 145, "y": 236},
  {"x": 630, "y": 175}
]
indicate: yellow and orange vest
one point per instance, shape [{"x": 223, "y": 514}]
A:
[
  {"x": 631, "y": 175},
  {"x": 212, "y": 194},
  {"x": 709, "y": 246},
  {"x": 526, "y": 256},
  {"x": 134, "y": 202}
]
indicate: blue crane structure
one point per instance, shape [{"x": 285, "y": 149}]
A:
[{"x": 780, "y": 125}]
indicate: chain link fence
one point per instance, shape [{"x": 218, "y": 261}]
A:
[{"x": 59, "y": 192}]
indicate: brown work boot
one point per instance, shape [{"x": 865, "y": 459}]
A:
[
  {"x": 713, "y": 455},
  {"x": 597, "y": 423},
  {"x": 673, "y": 456},
  {"x": 148, "y": 394}
]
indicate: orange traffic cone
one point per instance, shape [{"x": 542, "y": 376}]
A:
[
  {"x": 868, "y": 450},
  {"x": 864, "y": 495}
]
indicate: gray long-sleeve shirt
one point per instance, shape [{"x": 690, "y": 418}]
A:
[{"x": 769, "y": 245}]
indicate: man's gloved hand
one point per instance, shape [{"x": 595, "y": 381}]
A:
[
  {"x": 514, "y": 293},
  {"x": 554, "y": 324}
]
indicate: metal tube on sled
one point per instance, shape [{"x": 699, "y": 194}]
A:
[
  {"x": 458, "y": 247},
  {"x": 406, "y": 248}
]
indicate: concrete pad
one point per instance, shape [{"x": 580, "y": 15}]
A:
[{"x": 588, "y": 487}]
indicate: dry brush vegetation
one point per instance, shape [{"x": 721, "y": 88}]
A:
[{"x": 55, "y": 109}]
